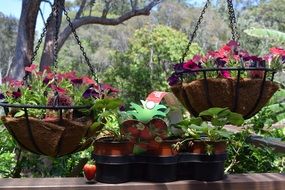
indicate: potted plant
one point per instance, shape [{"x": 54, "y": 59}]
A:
[
  {"x": 49, "y": 113},
  {"x": 112, "y": 147},
  {"x": 229, "y": 77},
  {"x": 206, "y": 143},
  {"x": 155, "y": 155}
]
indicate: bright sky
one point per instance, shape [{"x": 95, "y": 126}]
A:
[{"x": 13, "y": 8}]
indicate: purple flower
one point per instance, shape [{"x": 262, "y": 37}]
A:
[
  {"x": 173, "y": 79},
  {"x": 220, "y": 62},
  {"x": 46, "y": 80},
  {"x": 2, "y": 96},
  {"x": 122, "y": 108},
  {"x": 90, "y": 92},
  {"x": 16, "y": 94},
  {"x": 76, "y": 81},
  {"x": 178, "y": 68}
]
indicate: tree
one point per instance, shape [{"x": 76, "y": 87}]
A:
[
  {"x": 27, "y": 23},
  {"x": 8, "y": 31},
  {"x": 145, "y": 66}
]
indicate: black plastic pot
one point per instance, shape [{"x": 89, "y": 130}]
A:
[
  {"x": 161, "y": 169},
  {"x": 201, "y": 167},
  {"x": 185, "y": 167},
  {"x": 113, "y": 169},
  {"x": 139, "y": 168}
]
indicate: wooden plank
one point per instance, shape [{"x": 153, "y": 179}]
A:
[
  {"x": 266, "y": 181},
  {"x": 278, "y": 146}
]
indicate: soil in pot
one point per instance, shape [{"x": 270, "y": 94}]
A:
[
  {"x": 107, "y": 146},
  {"x": 164, "y": 148}
]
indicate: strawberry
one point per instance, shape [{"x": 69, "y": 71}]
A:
[{"x": 89, "y": 171}]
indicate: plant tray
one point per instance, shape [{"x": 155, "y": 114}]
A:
[{"x": 183, "y": 166}]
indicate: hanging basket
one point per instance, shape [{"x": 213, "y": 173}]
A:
[
  {"x": 245, "y": 92},
  {"x": 53, "y": 137},
  {"x": 66, "y": 132},
  {"x": 244, "y": 96}
]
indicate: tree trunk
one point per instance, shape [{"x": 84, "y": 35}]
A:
[
  {"x": 25, "y": 39},
  {"x": 47, "y": 58}
]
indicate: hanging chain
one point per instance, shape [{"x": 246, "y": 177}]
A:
[
  {"x": 80, "y": 45},
  {"x": 57, "y": 26},
  {"x": 233, "y": 21},
  {"x": 195, "y": 31}
]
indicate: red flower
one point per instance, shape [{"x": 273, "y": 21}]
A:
[
  {"x": 87, "y": 80},
  {"x": 16, "y": 83},
  {"x": 70, "y": 75},
  {"x": 191, "y": 65},
  {"x": 197, "y": 58},
  {"x": 58, "y": 89},
  {"x": 277, "y": 51},
  {"x": 31, "y": 68}
]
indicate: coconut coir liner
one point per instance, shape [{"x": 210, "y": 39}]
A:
[
  {"x": 47, "y": 135},
  {"x": 222, "y": 93}
]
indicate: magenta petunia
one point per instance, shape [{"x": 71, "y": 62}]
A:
[
  {"x": 31, "y": 68},
  {"x": 76, "y": 81},
  {"x": 190, "y": 65},
  {"x": 225, "y": 74},
  {"x": 17, "y": 94}
]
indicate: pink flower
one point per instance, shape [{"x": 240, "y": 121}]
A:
[
  {"x": 31, "y": 68},
  {"x": 197, "y": 58},
  {"x": 277, "y": 51},
  {"x": 58, "y": 89},
  {"x": 233, "y": 44},
  {"x": 70, "y": 75},
  {"x": 16, "y": 83},
  {"x": 225, "y": 74},
  {"x": 190, "y": 65},
  {"x": 87, "y": 80}
]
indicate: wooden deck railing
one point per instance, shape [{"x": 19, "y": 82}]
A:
[{"x": 266, "y": 181}]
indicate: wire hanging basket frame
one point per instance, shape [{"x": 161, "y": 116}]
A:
[
  {"x": 244, "y": 96},
  {"x": 54, "y": 138}
]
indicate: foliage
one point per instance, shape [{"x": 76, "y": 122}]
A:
[
  {"x": 7, "y": 153},
  {"x": 244, "y": 157},
  {"x": 213, "y": 130},
  {"x": 8, "y": 32},
  {"x": 264, "y": 33},
  {"x": 144, "y": 66},
  {"x": 106, "y": 116}
]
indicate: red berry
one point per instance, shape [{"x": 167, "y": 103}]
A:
[{"x": 89, "y": 171}]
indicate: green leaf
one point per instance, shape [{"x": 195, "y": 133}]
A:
[
  {"x": 212, "y": 111},
  {"x": 235, "y": 119},
  {"x": 95, "y": 125},
  {"x": 218, "y": 122},
  {"x": 196, "y": 121},
  {"x": 19, "y": 113},
  {"x": 224, "y": 133}
]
